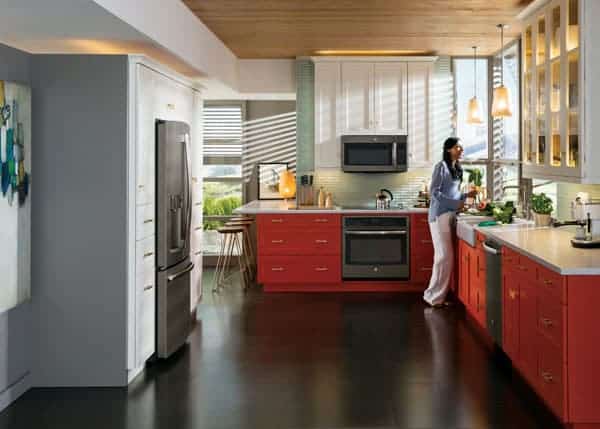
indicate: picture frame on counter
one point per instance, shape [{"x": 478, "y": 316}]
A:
[{"x": 268, "y": 174}]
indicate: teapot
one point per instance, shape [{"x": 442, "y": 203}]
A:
[{"x": 383, "y": 201}]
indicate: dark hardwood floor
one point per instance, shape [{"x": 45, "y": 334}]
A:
[{"x": 293, "y": 361}]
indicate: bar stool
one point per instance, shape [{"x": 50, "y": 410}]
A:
[
  {"x": 230, "y": 244},
  {"x": 246, "y": 241}
]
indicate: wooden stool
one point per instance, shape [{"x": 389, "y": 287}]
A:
[
  {"x": 230, "y": 244},
  {"x": 247, "y": 246}
]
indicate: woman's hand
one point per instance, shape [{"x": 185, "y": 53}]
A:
[{"x": 472, "y": 194}]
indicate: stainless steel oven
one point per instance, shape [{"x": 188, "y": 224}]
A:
[
  {"x": 374, "y": 154},
  {"x": 376, "y": 247}
]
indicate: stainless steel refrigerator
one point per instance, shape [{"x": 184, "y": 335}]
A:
[{"x": 173, "y": 220}]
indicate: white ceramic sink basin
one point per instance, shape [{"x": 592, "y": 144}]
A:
[{"x": 465, "y": 227}]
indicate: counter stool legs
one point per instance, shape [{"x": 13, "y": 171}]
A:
[{"x": 231, "y": 247}]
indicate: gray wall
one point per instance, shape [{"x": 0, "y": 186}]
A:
[
  {"x": 79, "y": 219},
  {"x": 15, "y": 324}
]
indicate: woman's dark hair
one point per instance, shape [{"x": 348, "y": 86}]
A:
[{"x": 455, "y": 169}]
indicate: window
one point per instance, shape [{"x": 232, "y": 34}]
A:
[
  {"x": 222, "y": 172},
  {"x": 474, "y": 137},
  {"x": 498, "y": 160}
]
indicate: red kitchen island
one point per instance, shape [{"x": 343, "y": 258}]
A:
[{"x": 302, "y": 250}]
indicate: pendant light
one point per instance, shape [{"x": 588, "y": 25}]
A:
[
  {"x": 474, "y": 111},
  {"x": 501, "y": 98}
]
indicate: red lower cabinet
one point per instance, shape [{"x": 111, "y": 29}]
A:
[
  {"x": 464, "y": 260},
  {"x": 549, "y": 334},
  {"x": 421, "y": 250}
]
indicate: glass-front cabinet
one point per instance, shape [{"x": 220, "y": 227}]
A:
[{"x": 551, "y": 125}]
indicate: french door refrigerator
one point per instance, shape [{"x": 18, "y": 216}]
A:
[{"x": 173, "y": 220}]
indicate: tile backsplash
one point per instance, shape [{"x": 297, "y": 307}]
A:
[
  {"x": 566, "y": 192},
  {"x": 360, "y": 188}
]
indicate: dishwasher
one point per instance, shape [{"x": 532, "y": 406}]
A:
[{"x": 493, "y": 285}]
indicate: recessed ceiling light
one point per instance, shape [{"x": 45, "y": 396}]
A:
[{"x": 377, "y": 52}]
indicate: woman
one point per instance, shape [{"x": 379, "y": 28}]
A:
[{"x": 446, "y": 200}]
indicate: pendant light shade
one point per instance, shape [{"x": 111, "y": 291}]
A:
[
  {"x": 501, "y": 104},
  {"x": 474, "y": 115}
]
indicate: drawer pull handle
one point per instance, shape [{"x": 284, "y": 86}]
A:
[
  {"x": 426, "y": 268},
  {"x": 321, "y": 220},
  {"x": 276, "y": 241},
  {"x": 147, "y": 255},
  {"x": 277, "y": 269},
  {"x": 547, "y": 323},
  {"x": 548, "y": 282},
  {"x": 199, "y": 252},
  {"x": 149, "y": 221},
  {"x": 148, "y": 287},
  {"x": 276, "y": 220},
  {"x": 320, "y": 269},
  {"x": 198, "y": 228},
  {"x": 548, "y": 378},
  {"x": 321, "y": 241}
]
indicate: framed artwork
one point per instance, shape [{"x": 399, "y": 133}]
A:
[
  {"x": 268, "y": 180},
  {"x": 15, "y": 194}
]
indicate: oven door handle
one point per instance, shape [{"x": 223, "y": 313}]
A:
[{"x": 391, "y": 232}]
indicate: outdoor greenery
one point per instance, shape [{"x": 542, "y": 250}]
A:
[
  {"x": 220, "y": 199},
  {"x": 475, "y": 176},
  {"x": 541, "y": 204}
]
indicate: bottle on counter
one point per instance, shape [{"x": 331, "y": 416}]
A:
[
  {"x": 321, "y": 197},
  {"x": 329, "y": 201}
]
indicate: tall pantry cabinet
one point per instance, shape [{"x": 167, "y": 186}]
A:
[{"x": 156, "y": 93}]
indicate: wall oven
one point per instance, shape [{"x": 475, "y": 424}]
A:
[
  {"x": 374, "y": 154},
  {"x": 376, "y": 247}
]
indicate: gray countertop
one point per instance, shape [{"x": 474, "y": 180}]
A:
[{"x": 280, "y": 207}]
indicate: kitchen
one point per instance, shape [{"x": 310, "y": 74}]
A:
[{"x": 299, "y": 245}]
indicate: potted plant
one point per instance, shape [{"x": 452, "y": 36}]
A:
[{"x": 541, "y": 206}]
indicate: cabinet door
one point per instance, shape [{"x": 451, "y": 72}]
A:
[
  {"x": 357, "y": 98},
  {"x": 327, "y": 99},
  {"x": 418, "y": 114},
  {"x": 527, "y": 361},
  {"x": 146, "y": 106},
  {"x": 390, "y": 98},
  {"x": 463, "y": 272},
  {"x": 510, "y": 314}
]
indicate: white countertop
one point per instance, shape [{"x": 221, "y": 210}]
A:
[
  {"x": 551, "y": 247},
  {"x": 279, "y": 207}
]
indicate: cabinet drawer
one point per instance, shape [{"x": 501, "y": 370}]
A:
[
  {"x": 145, "y": 259},
  {"x": 551, "y": 316},
  {"x": 551, "y": 282},
  {"x": 526, "y": 268},
  {"x": 550, "y": 381},
  {"x": 299, "y": 221},
  {"x": 510, "y": 259},
  {"x": 278, "y": 242},
  {"x": 146, "y": 316},
  {"x": 292, "y": 269},
  {"x": 144, "y": 219},
  {"x": 420, "y": 222}
]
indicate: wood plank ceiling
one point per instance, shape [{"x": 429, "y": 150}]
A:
[{"x": 290, "y": 28}]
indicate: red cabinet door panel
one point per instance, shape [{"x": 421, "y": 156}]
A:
[
  {"x": 306, "y": 269},
  {"x": 552, "y": 283},
  {"x": 463, "y": 272},
  {"x": 551, "y": 372},
  {"x": 551, "y": 315}
]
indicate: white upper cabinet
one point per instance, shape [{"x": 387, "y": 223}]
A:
[
  {"x": 419, "y": 118},
  {"x": 390, "y": 91},
  {"x": 560, "y": 93},
  {"x": 327, "y": 108},
  {"x": 382, "y": 96},
  {"x": 357, "y": 98}
]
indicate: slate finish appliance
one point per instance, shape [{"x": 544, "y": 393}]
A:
[
  {"x": 173, "y": 220},
  {"x": 374, "y": 154}
]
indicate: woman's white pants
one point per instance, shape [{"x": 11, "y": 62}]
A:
[{"x": 443, "y": 259}]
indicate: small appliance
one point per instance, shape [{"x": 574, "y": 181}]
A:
[{"x": 383, "y": 199}]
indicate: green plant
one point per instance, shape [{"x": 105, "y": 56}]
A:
[
  {"x": 475, "y": 176},
  {"x": 541, "y": 204}
]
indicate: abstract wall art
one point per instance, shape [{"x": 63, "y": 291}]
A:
[{"x": 15, "y": 190}]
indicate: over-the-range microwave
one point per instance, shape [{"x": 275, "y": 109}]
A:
[{"x": 374, "y": 153}]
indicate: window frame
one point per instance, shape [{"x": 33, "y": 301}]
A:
[{"x": 490, "y": 162}]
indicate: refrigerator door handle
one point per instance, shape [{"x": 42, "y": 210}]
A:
[
  {"x": 187, "y": 269},
  {"x": 188, "y": 192}
]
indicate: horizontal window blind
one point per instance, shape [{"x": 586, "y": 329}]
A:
[{"x": 223, "y": 130}]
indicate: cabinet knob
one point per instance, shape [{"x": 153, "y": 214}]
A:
[
  {"x": 548, "y": 378},
  {"x": 547, "y": 323},
  {"x": 512, "y": 293},
  {"x": 548, "y": 282}
]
